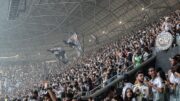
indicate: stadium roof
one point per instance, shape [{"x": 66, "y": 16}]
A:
[{"x": 29, "y": 27}]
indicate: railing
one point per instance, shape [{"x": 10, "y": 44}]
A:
[{"x": 112, "y": 81}]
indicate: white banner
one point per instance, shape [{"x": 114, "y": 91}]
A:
[{"x": 164, "y": 40}]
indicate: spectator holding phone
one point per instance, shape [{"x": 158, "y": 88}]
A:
[
  {"x": 140, "y": 89},
  {"x": 156, "y": 85}
]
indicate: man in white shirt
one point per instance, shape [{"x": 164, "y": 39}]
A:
[
  {"x": 174, "y": 84},
  {"x": 156, "y": 84},
  {"x": 140, "y": 88}
]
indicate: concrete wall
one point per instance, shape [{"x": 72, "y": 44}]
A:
[{"x": 162, "y": 58}]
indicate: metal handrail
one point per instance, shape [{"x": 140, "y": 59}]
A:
[
  {"x": 100, "y": 85},
  {"x": 106, "y": 82}
]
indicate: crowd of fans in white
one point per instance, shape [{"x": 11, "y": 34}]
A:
[{"x": 95, "y": 68}]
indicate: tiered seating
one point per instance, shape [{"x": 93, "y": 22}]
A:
[{"x": 112, "y": 59}]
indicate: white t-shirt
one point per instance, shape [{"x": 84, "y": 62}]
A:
[
  {"x": 166, "y": 26},
  {"x": 145, "y": 56},
  {"x": 178, "y": 26},
  {"x": 143, "y": 89},
  {"x": 157, "y": 82},
  {"x": 174, "y": 79},
  {"x": 58, "y": 93}
]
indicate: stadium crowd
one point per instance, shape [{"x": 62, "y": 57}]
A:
[{"x": 112, "y": 59}]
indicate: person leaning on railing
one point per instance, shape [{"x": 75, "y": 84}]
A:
[{"x": 137, "y": 58}]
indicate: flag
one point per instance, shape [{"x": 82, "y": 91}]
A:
[
  {"x": 73, "y": 42},
  {"x": 59, "y": 53}
]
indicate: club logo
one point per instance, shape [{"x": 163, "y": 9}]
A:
[{"x": 164, "y": 40}]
